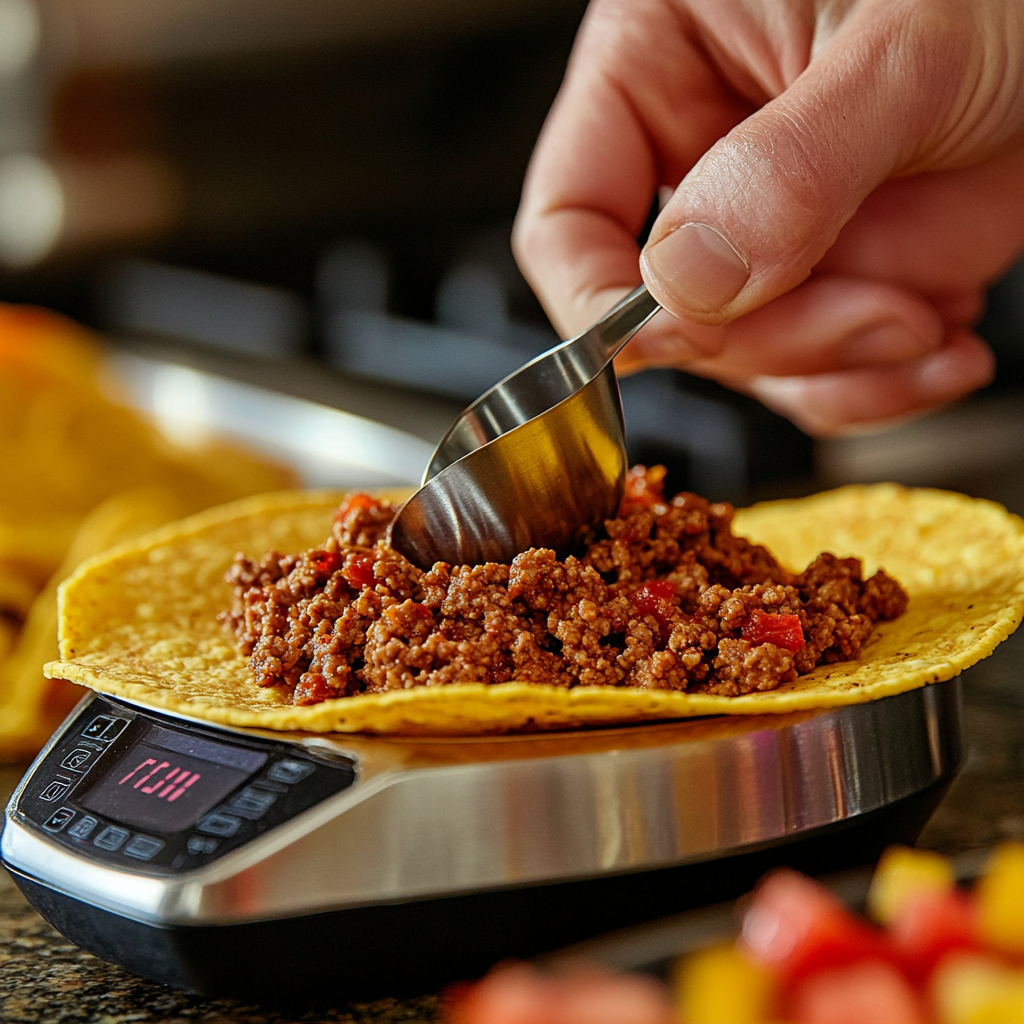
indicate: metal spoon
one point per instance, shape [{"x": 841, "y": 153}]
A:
[{"x": 536, "y": 461}]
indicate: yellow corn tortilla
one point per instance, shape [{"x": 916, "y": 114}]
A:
[{"x": 140, "y": 622}]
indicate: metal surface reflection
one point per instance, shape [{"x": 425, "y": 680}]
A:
[
  {"x": 327, "y": 447},
  {"x": 433, "y": 818},
  {"x": 536, "y": 461},
  {"x": 548, "y": 481}
]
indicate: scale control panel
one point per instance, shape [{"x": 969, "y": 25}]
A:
[{"x": 141, "y": 791}]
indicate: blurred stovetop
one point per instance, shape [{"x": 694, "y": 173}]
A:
[{"x": 317, "y": 198}]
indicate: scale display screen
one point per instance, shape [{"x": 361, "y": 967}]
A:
[{"x": 167, "y": 780}]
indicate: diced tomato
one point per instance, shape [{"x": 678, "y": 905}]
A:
[
  {"x": 644, "y": 489},
  {"x": 763, "y": 627},
  {"x": 326, "y": 562},
  {"x": 655, "y": 598},
  {"x": 931, "y": 925},
  {"x": 516, "y": 994},
  {"x": 358, "y": 571},
  {"x": 511, "y": 994},
  {"x": 864, "y": 993},
  {"x": 647, "y": 595},
  {"x": 796, "y": 928},
  {"x": 358, "y": 501}
]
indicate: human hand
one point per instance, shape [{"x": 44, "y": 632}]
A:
[{"x": 843, "y": 181}]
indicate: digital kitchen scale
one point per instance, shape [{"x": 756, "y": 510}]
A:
[{"x": 244, "y": 861}]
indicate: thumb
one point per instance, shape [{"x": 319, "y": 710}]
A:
[{"x": 766, "y": 202}]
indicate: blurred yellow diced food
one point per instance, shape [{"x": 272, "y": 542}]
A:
[
  {"x": 1000, "y": 897},
  {"x": 973, "y": 989},
  {"x": 721, "y": 986},
  {"x": 901, "y": 875},
  {"x": 79, "y": 473}
]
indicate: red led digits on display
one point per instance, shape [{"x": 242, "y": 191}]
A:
[{"x": 166, "y": 787}]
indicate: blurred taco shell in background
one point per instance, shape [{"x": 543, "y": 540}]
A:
[{"x": 79, "y": 473}]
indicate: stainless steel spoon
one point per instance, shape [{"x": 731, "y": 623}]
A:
[{"x": 536, "y": 461}]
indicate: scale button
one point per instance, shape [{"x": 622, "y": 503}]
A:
[
  {"x": 114, "y": 730},
  {"x": 59, "y": 818},
  {"x": 111, "y": 838},
  {"x": 252, "y": 802},
  {"x": 83, "y": 827},
  {"x": 290, "y": 771},
  {"x": 78, "y": 759},
  {"x": 95, "y": 728},
  {"x": 219, "y": 823},
  {"x": 55, "y": 789},
  {"x": 202, "y": 844},
  {"x": 143, "y": 847}
]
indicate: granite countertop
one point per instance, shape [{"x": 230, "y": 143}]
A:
[{"x": 46, "y": 980}]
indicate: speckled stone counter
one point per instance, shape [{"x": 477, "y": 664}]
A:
[{"x": 46, "y": 980}]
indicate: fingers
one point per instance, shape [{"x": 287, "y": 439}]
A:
[
  {"x": 768, "y": 200},
  {"x": 936, "y": 232},
  {"x": 807, "y": 182},
  {"x": 837, "y": 403},
  {"x": 833, "y": 355},
  {"x": 826, "y": 325},
  {"x": 639, "y": 104}
]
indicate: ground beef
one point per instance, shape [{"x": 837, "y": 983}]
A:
[{"x": 666, "y": 598}]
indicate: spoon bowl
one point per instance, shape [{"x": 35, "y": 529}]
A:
[{"x": 539, "y": 460}]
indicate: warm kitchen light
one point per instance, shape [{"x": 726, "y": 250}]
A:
[
  {"x": 31, "y": 207},
  {"x": 19, "y": 36},
  {"x": 76, "y": 203}
]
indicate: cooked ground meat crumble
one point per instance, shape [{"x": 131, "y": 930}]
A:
[{"x": 667, "y": 598}]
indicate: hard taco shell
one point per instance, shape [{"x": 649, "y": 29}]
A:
[{"x": 141, "y": 621}]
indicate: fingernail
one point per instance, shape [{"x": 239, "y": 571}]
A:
[
  {"x": 698, "y": 267},
  {"x": 884, "y": 343}
]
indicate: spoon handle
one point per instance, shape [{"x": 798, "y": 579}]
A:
[
  {"x": 621, "y": 322},
  {"x": 543, "y": 382}
]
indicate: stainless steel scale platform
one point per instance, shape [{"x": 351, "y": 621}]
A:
[{"x": 303, "y": 862}]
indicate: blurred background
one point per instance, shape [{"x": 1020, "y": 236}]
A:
[
  {"x": 312, "y": 199},
  {"x": 317, "y": 196}
]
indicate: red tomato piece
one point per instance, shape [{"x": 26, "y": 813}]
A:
[
  {"x": 519, "y": 995},
  {"x": 326, "y": 562},
  {"x": 931, "y": 925},
  {"x": 508, "y": 995},
  {"x": 796, "y": 928},
  {"x": 358, "y": 501},
  {"x": 358, "y": 571},
  {"x": 866, "y": 993},
  {"x": 644, "y": 489},
  {"x": 655, "y": 598},
  {"x": 763, "y": 627},
  {"x": 647, "y": 596}
]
